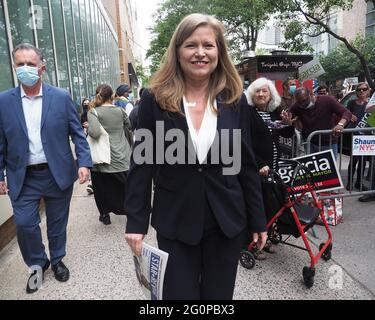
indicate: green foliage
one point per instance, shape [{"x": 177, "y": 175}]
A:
[
  {"x": 142, "y": 74},
  {"x": 167, "y": 17},
  {"x": 306, "y": 18},
  {"x": 242, "y": 19},
  {"x": 341, "y": 63},
  {"x": 302, "y": 18}
]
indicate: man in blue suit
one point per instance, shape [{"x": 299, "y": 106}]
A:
[{"x": 36, "y": 123}]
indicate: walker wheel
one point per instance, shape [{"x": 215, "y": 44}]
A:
[
  {"x": 275, "y": 236},
  {"x": 327, "y": 253},
  {"x": 308, "y": 276},
  {"x": 247, "y": 259}
]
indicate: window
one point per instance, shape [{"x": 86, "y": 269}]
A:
[
  {"x": 80, "y": 50},
  {"x": 6, "y": 80},
  {"x": 72, "y": 50},
  {"x": 370, "y": 18},
  {"x": 62, "y": 60},
  {"x": 82, "y": 11},
  {"x": 21, "y": 25},
  {"x": 45, "y": 43},
  {"x": 91, "y": 61},
  {"x": 94, "y": 46}
]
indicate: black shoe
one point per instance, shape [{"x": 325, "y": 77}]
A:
[
  {"x": 105, "y": 219},
  {"x": 358, "y": 186},
  {"x": 61, "y": 271},
  {"x": 33, "y": 279},
  {"x": 367, "y": 198}
]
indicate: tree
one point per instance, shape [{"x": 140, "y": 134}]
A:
[
  {"x": 167, "y": 17},
  {"x": 243, "y": 20},
  {"x": 315, "y": 14},
  {"x": 142, "y": 74},
  {"x": 341, "y": 63}
]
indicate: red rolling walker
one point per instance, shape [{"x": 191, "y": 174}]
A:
[{"x": 294, "y": 218}]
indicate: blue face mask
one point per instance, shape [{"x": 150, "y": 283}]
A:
[
  {"x": 292, "y": 89},
  {"x": 28, "y": 76}
]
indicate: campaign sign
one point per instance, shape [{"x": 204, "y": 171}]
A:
[
  {"x": 363, "y": 145},
  {"x": 323, "y": 167},
  {"x": 311, "y": 70}
]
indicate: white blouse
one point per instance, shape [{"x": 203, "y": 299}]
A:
[{"x": 204, "y": 138}]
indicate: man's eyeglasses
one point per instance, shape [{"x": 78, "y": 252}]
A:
[{"x": 362, "y": 89}]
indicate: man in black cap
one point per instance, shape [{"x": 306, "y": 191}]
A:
[{"x": 122, "y": 98}]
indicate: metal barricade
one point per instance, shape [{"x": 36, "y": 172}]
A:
[
  {"x": 347, "y": 163},
  {"x": 291, "y": 147}
]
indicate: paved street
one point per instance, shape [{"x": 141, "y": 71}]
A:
[{"x": 101, "y": 263}]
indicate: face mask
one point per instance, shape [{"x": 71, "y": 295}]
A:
[
  {"x": 292, "y": 89},
  {"x": 28, "y": 76},
  {"x": 130, "y": 96}
]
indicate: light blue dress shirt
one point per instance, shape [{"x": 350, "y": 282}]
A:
[{"x": 32, "y": 110}]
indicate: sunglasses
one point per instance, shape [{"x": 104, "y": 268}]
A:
[{"x": 362, "y": 89}]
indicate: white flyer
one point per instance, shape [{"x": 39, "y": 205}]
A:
[
  {"x": 371, "y": 103},
  {"x": 150, "y": 269}
]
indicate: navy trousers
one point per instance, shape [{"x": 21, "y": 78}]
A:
[{"x": 38, "y": 185}]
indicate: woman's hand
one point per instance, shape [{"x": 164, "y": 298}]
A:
[
  {"x": 134, "y": 240},
  {"x": 260, "y": 239},
  {"x": 3, "y": 188},
  {"x": 264, "y": 171}
]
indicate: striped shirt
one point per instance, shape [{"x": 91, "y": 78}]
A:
[{"x": 266, "y": 117}]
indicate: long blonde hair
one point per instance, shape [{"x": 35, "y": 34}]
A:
[{"x": 168, "y": 85}]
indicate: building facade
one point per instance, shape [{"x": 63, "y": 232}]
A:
[
  {"x": 78, "y": 39},
  {"x": 346, "y": 23},
  {"x": 123, "y": 15}
]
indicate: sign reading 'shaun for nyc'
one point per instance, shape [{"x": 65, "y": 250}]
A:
[{"x": 363, "y": 145}]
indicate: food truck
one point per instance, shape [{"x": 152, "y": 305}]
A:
[{"x": 277, "y": 67}]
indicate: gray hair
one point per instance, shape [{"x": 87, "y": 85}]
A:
[
  {"x": 259, "y": 83},
  {"x": 28, "y": 46}
]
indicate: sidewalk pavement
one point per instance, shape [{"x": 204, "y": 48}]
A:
[{"x": 101, "y": 264}]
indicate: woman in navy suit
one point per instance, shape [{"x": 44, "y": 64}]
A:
[{"x": 207, "y": 187}]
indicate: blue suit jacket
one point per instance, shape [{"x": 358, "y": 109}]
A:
[{"x": 59, "y": 121}]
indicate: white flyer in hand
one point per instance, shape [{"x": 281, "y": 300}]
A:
[
  {"x": 150, "y": 269},
  {"x": 371, "y": 103}
]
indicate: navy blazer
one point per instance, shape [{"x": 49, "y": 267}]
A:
[
  {"x": 59, "y": 121},
  {"x": 182, "y": 190}
]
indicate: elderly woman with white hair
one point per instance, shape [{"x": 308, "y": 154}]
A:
[{"x": 267, "y": 124}]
